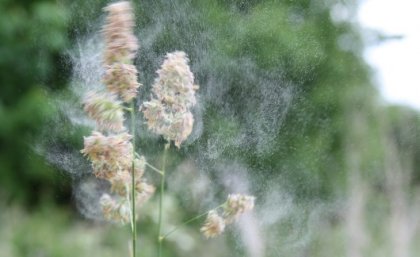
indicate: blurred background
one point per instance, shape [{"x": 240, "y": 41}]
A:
[{"x": 289, "y": 111}]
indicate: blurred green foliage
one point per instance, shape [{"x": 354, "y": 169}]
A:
[{"x": 33, "y": 37}]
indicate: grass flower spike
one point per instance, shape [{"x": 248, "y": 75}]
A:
[
  {"x": 111, "y": 151},
  {"x": 121, "y": 78},
  {"x": 120, "y": 49},
  {"x": 106, "y": 110},
  {"x": 235, "y": 205},
  {"x": 112, "y": 210},
  {"x": 168, "y": 112},
  {"x": 120, "y": 43},
  {"x": 113, "y": 154},
  {"x": 175, "y": 83},
  {"x": 108, "y": 154},
  {"x": 214, "y": 225}
]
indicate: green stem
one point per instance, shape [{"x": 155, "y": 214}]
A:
[
  {"x": 151, "y": 166},
  {"x": 133, "y": 181},
  {"x": 188, "y": 221},
  {"x": 162, "y": 192},
  {"x": 154, "y": 168}
]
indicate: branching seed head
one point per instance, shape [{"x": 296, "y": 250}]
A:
[
  {"x": 168, "y": 112},
  {"x": 106, "y": 110},
  {"x": 214, "y": 225},
  {"x": 236, "y": 205},
  {"x": 121, "y": 79},
  {"x": 108, "y": 154},
  {"x": 120, "y": 43}
]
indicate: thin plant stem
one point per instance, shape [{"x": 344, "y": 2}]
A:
[
  {"x": 128, "y": 193},
  {"x": 188, "y": 221},
  {"x": 162, "y": 192},
  {"x": 133, "y": 181},
  {"x": 151, "y": 166},
  {"x": 154, "y": 168}
]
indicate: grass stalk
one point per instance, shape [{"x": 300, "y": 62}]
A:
[
  {"x": 188, "y": 221},
  {"x": 161, "y": 196},
  {"x": 133, "y": 182}
]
